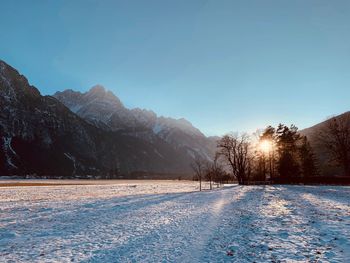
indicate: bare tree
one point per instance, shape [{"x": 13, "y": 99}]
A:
[
  {"x": 199, "y": 167},
  {"x": 234, "y": 149},
  {"x": 334, "y": 136},
  {"x": 209, "y": 174},
  {"x": 216, "y": 171},
  {"x": 212, "y": 171}
]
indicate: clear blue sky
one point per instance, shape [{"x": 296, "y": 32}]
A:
[{"x": 223, "y": 65}]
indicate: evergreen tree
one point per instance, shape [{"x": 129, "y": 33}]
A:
[
  {"x": 307, "y": 159},
  {"x": 269, "y": 135},
  {"x": 287, "y": 145},
  {"x": 288, "y": 166}
]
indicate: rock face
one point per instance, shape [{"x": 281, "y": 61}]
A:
[
  {"x": 88, "y": 135},
  {"x": 38, "y": 134}
]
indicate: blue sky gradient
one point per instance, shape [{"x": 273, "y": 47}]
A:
[{"x": 223, "y": 65}]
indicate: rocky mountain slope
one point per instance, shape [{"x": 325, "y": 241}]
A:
[
  {"x": 104, "y": 110},
  {"x": 41, "y": 136}
]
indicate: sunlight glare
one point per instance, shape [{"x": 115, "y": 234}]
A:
[{"x": 265, "y": 146}]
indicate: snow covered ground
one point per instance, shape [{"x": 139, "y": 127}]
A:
[{"x": 139, "y": 223}]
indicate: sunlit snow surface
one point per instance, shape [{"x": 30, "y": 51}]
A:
[{"x": 128, "y": 223}]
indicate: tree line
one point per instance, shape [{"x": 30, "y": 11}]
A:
[{"x": 277, "y": 154}]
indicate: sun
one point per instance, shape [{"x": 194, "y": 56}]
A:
[{"x": 265, "y": 146}]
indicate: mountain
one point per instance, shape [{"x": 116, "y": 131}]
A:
[
  {"x": 42, "y": 137},
  {"x": 321, "y": 153},
  {"x": 39, "y": 135},
  {"x": 312, "y": 131},
  {"x": 104, "y": 110},
  {"x": 98, "y": 107}
]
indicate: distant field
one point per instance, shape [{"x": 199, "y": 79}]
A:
[
  {"x": 30, "y": 190},
  {"x": 55, "y": 182}
]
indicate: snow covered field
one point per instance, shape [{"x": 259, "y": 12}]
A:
[{"x": 143, "y": 223}]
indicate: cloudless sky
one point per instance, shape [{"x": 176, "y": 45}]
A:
[{"x": 223, "y": 65}]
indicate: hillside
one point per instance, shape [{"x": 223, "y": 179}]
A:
[{"x": 321, "y": 153}]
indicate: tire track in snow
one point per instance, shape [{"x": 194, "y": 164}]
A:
[
  {"x": 167, "y": 242},
  {"x": 235, "y": 235},
  {"x": 182, "y": 240},
  {"x": 210, "y": 223}
]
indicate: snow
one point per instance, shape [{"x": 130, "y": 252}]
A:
[
  {"x": 168, "y": 222},
  {"x": 158, "y": 153},
  {"x": 8, "y": 92},
  {"x": 7, "y": 144},
  {"x": 75, "y": 108},
  {"x": 71, "y": 157},
  {"x": 6, "y": 147},
  {"x": 157, "y": 128}
]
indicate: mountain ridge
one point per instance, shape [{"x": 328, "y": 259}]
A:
[
  {"x": 41, "y": 137},
  {"x": 103, "y": 109},
  {"x": 100, "y": 94}
]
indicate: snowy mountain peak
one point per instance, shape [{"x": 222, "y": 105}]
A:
[
  {"x": 98, "y": 92},
  {"x": 103, "y": 109},
  {"x": 97, "y": 89},
  {"x": 101, "y": 91},
  {"x": 99, "y": 104}
]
